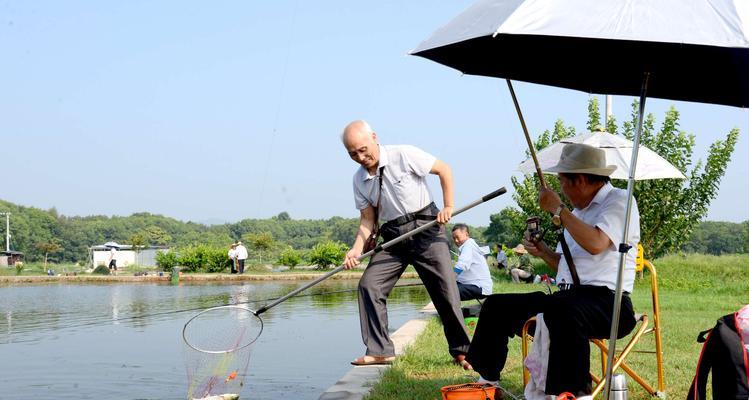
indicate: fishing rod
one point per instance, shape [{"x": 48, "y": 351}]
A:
[
  {"x": 200, "y": 331},
  {"x": 379, "y": 248}
]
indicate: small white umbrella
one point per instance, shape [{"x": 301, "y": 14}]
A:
[{"x": 618, "y": 152}]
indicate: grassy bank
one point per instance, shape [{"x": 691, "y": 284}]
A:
[{"x": 694, "y": 290}]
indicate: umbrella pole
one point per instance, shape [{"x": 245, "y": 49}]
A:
[
  {"x": 531, "y": 147},
  {"x": 624, "y": 247}
]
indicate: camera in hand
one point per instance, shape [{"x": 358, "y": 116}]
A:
[{"x": 533, "y": 230}]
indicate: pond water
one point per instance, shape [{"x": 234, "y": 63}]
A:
[{"x": 124, "y": 341}]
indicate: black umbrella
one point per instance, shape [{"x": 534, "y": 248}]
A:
[{"x": 692, "y": 50}]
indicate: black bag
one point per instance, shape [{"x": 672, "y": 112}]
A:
[{"x": 725, "y": 354}]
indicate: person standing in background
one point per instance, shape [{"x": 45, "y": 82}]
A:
[
  {"x": 233, "y": 257},
  {"x": 241, "y": 256},
  {"x": 113, "y": 260}
]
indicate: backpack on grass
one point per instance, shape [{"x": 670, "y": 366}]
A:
[{"x": 726, "y": 352}]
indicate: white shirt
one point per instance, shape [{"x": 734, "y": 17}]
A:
[
  {"x": 232, "y": 253},
  {"x": 241, "y": 252},
  {"x": 112, "y": 254},
  {"x": 502, "y": 257},
  {"x": 404, "y": 188},
  {"x": 606, "y": 212},
  {"x": 473, "y": 267}
]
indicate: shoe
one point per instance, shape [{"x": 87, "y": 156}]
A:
[
  {"x": 460, "y": 359},
  {"x": 372, "y": 360},
  {"x": 482, "y": 380}
]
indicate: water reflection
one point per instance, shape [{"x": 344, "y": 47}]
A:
[{"x": 124, "y": 341}]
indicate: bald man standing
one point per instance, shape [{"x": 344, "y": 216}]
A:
[{"x": 391, "y": 186}]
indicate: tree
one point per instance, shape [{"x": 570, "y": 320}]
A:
[
  {"x": 156, "y": 235},
  {"x": 506, "y": 227},
  {"x": 289, "y": 257},
  {"x": 260, "y": 242},
  {"x": 139, "y": 242},
  {"x": 48, "y": 248},
  {"x": 328, "y": 253},
  {"x": 669, "y": 208},
  {"x": 283, "y": 216}
]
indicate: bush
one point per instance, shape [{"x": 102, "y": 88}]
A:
[
  {"x": 328, "y": 253},
  {"x": 192, "y": 258},
  {"x": 19, "y": 267},
  {"x": 289, "y": 257},
  {"x": 166, "y": 260},
  {"x": 216, "y": 259},
  {"x": 203, "y": 258},
  {"x": 101, "y": 270}
]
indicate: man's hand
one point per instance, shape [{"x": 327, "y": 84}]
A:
[
  {"x": 444, "y": 216},
  {"x": 352, "y": 259},
  {"x": 534, "y": 248},
  {"x": 548, "y": 200}
]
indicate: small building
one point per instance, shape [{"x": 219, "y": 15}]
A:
[
  {"x": 99, "y": 255},
  {"x": 9, "y": 258}
]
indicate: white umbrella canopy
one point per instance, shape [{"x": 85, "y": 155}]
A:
[{"x": 618, "y": 152}]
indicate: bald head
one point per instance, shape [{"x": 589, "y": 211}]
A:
[
  {"x": 354, "y": 129},
  {"x": 361, "y": 144}
]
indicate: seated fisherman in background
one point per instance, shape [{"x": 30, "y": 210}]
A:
[
  {"x": 521, "y": 269},
  {"x": 474, "y": 280},
  {"x": 577, "y": 312}
]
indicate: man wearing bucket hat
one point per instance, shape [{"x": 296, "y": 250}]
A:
[
  {"x": 521, "y": 269},
  {"x": 582, "y": 308}
]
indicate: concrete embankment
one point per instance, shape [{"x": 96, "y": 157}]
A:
[{"x": 358, "y": 382}]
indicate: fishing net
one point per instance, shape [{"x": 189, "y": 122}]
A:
[{"x": 218, "y": 344}]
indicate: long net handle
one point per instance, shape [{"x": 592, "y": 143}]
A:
[
  {"x": 531, "y": 148},
  {"x": 380, "y": 247}
]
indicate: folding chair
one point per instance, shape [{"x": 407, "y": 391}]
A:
[{"x": 619, "y": 359}]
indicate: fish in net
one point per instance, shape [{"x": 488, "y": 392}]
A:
[{"x": 218, "y": 343}]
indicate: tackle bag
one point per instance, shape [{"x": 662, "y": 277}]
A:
[{"x": 725, "y": 352}]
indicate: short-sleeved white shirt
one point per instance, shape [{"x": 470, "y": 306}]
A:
[
  {"x": 605, "y": 211},
  {"x": 404, "y": 185}
]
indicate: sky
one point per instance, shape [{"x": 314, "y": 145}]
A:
[{"x": 219, "y": 111}]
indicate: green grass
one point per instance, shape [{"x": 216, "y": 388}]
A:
[{"x": 694, "y": 291}]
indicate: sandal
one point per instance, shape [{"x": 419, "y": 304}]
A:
[{"x": 372, "y": 360}]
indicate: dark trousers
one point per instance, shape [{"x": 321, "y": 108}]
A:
[
  {"x": 240, "y": 263},
  {"x": 572, "y": 316},
  {"x": 233, "y": 265},
  {"x": 428, "y": 252},
  {"x": 469, "y": 292}
]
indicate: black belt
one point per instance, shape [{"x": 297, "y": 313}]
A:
[
  {"x": 404, "y": 219},
  {"x": 568, "y": 286}
]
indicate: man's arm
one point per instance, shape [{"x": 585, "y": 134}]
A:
[
  {"x": 464, "y": 261},
  {"x": 542, "y": 250},
  {"x": 589, "y": 237},
  {"x": 366, "y": 223},
  {"x": 441, "y": 169}
]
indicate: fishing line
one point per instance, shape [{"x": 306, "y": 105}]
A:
[{"x": 281, "y": 93}]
